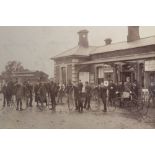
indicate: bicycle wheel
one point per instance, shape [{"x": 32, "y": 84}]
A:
[
  {"x": 133, "y": 105},
  {"x": 146, "y": 108},
  {"x": 112, "y": 106},
  {"x": 70, "y": 105},
  {"x": 40, "y": 107},
  {"x": 12, "y": 105}
]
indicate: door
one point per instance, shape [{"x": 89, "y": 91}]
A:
[
  {"x": 100, "y": 75},
  {"x": 63, "y": 71}
]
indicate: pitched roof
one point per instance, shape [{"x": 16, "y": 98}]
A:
[
  {"x": 81, "y": 51},
  {"x": 125, "y": 45},
  {"x": 76, "y": 51}
]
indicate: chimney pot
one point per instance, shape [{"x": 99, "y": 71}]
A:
[
  {"x": 108, "y": 41},
  {"x": 133, "y": 33}
]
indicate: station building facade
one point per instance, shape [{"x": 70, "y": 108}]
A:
[{"x": 134, "y": 58}]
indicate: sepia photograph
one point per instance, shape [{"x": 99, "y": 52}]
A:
[{"x": 77, "y": 77}]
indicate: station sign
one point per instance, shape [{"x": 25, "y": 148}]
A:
[
  {"x": 150, "y": 65},
  {"x": 107, "y": 69}
]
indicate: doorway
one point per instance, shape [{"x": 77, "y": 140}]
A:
[
  {"x": 131, "y": 75},
  {"x": 63, "y": 75}
]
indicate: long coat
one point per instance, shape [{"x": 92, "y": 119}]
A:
[
  {"x": 103, "y": 92},
  {"x": 112, "y": 90},
  {"x": 19, "y": 92},
  {"x": 42, "y": 93}
]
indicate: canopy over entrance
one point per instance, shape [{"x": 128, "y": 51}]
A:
[{"x": 120, "y": 58}]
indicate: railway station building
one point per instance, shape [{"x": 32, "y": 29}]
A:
[{"x": 134, "y": 58}]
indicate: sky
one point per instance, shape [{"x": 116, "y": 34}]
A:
[{"x": 34, "y": 46}]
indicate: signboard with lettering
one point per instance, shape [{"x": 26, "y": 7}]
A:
[
  {"x": 104, "y": 69},
  {"x": 150, "y": 65},
  {"x": 107, "y": 69}
]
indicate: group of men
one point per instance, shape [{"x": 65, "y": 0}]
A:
[
  {"x": 24, "y": 91},
  {"x": 79, "y": 93}
]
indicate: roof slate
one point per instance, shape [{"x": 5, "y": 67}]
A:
[
  {"x": 91, "y": 50},
  {"x": 77, "y": 51},
  {"x": 125, "y": 45}
]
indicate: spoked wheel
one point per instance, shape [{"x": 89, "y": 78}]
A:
[
  {"x": 113, "y": 106},
  {"x": 96, "y": 106},
  {"x": 49, "y": 106},
  {"x": 146, "y": 108},
  {"x": 70, "y": 105},
  {"x": 70, "y": 102},
  {"x": 140, "y": 105},
  {"x": 12, "y": 105},
  {"x": 1, "y": 108},
  {"x": 40, "y": 107},
  {"x": 134, "y": 105},
  {"x": 41, "y": 103}
]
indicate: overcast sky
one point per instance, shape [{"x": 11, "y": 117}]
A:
[{"x": 33, "y": 46}]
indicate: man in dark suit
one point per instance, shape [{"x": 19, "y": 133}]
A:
[
  {"x": 87, "y": 96},
  {"x": 28, "y": 93},
  {"x": 53, "y": 93},
  {"x": 80, "y": 85},
  {"x": 9, "y": 92},
  {"x": 36, "y": 88},
  {"x": 76, "y": 96},
  {"x": 112, "y": 91},
  {"x": 103, "y": 94},
  {"x": 4, "y": 91},
  {"x": 19, "y": 95}
]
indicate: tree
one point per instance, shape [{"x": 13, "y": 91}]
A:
[{"x": 12, "y": 66}]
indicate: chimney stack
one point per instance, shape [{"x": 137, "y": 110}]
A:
[
  {"x": 108, "y": 41},
  {"x": 83, "y": 38},
  {"x": 133, "y": 33}
]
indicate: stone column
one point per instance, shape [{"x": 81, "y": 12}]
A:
[
  {"x": 146, "y": 79},
  {"x": 55, "y": 71},
  {"x": 74, "y": 71},
  {"x": 115, "y": 78},
  {"x": 139, "y": 74},
  {"x": 96, "y": 82}
]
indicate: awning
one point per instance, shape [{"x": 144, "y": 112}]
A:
[{"x": 120, "y": 58}]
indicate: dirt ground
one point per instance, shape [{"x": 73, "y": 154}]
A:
[{"x": 33, "y": 118}]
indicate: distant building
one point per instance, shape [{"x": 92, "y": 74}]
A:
[
  {"x": 26, "y": 75},
  {"x": 134, "y": 58},
  {"x": 32, "y": 76}
]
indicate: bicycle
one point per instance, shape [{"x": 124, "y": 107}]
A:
[
  {"x": 147, "y": 100},
  {"x": 126, "y": 100},
  {"x": 70, "y": 102}
]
